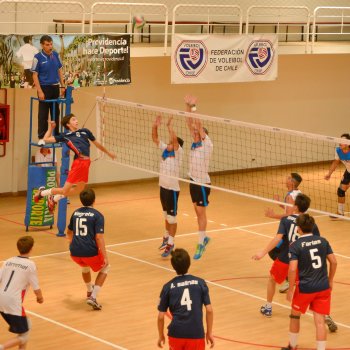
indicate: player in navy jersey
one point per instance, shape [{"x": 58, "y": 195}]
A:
[
  {"x": 78, "y": 140},
  {"x": 308, "y": 267},
  {"x": 287, "y": 233},
  {"x": 342, "y": 154},
  {"x": 185, "y": 296},
  {"x": 87, "y": 246}
]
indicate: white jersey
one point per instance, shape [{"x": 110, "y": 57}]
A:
[
  {"x": 170, "y": 165},
  {"x": 343, "y": 157},
  {"x": 16, "y": 275},
  {"x": 27, "y": 52},
  {"x": 199, "y": 160}
]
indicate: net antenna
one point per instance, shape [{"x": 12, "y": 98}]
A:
[{"x": 248, "y": 159}]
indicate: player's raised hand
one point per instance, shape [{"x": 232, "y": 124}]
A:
[
  {"x": 158, "y": 121},
  {"x": 170, "y": 120},
  {"x": 327, "y": 177},
  {"x": 190, "y": 100}
]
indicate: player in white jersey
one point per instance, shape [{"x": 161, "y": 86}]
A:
[
  {"x": 342, "y": 155},
  {"x": 201, "y": 151},
  {"x": 169, "y": 187},
  {"x": 293, "y": 181},
  {"x": 16, "y": 275}
]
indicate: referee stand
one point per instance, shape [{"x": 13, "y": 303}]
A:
[{"x": 37, "y": 214}]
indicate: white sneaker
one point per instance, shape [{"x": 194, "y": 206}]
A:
[
  {"x": 284, "y": 287},
  {"x": 41, "y": 142}
]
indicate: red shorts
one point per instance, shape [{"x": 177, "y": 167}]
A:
[
  {"x": 319, "y": 302},
  {"x": 95, "y": 262},
  {"x": 186, "y": 344},
  {"x": 79, "y": 171},
  {"x": 279, "y": 271}
]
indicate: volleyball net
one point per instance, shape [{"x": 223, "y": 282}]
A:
[{"x": 248, "y": 159}]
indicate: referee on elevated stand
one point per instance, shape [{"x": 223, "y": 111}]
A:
[{"x": 48, "y": 79}]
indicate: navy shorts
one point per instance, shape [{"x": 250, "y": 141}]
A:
[
  {"x": 345, "y": 180},
  {"x": 169, "y": 199},
  {"x": 200, "y": 195},
  {"x": 18, "y": 324}
]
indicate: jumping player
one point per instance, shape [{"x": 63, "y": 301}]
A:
[
  {"x": 169, "y": 187},
  {"x": 16, "y": 275},
  {"x": 201, "y": 151},
  {"x": 342, "y": 154},
  {"x": 308, "y": 256},
  {"x": 185, "y": 296},
  {"x": 78, "y": 140},
  {"x": 87, "y": 245}
]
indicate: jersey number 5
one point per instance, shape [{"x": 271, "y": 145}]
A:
[
  {"x": 316, "y": 260},
  {"x": 186, "y": 299},
  {"x": 80, "y": 227}
]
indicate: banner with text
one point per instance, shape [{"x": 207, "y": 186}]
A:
[
  {"x": 223, "y": 59},
  {"x": 88, "y": 60}
]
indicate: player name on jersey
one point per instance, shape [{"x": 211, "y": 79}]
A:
[
  {"x": 79, "y": 214},
  {"x": 12, "y": 264},
  {"x": 309, "y": 244},
  {"x": 184, "y": 284}
]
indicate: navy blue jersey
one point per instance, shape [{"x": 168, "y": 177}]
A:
[
  {"x": 85, "y": 223},
  {"x": 185, "y": 296},
  {"x": 77, "y": 141},
  {"x": 311, "y": 253},
  {"x": 288, "y": 229}
]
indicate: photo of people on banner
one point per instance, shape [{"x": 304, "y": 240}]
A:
[{"x": 88, "y": 60}]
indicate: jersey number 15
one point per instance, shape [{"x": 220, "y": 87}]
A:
[{"x": 80, "y": 227}]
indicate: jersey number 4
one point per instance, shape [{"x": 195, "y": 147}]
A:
[
  {"x": 80, "y": 227},
  {"x": 186, "y": 299}
]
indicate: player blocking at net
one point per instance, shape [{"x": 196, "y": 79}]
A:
[
  {"x": 200, "y": 154},
  {"x": 169, "y": 186},
  {"x": 78, "y": 141}
]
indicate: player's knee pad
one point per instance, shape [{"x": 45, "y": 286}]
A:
[
  {"x": 85, "y": 269},
  {"x": 171, "y": 219},
  {"x": 23, "y": 337},
  {"x": 295, "y": 317},
  {"x": 165, "y": 214},
  {"x": 105, "y": 269},
  {"x": 340, "y": 192}
]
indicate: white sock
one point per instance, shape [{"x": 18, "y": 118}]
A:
[
  {"x": 293, "y": 339},
  {"x": 268, "y": 305},
  {"x": 341, "y": 208},
  {"x": 171, "y": 240},
  {"x": 166, "y": 234},
  {"x": 89, "y": 286},
  {"x": 45, "y": 193},
  {"x": 201, "y": 237},
  {"x": 321, "y": 345},
  {"x": 95, "y": 291},
  {"x": 58, "y": 197}
]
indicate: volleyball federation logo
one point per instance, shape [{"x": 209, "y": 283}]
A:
[
  {"x": 191, "y": 57},
  {"x": 260, "y": 56}
]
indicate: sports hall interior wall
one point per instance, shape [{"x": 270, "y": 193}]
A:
[{"x": 311, "y": 94}]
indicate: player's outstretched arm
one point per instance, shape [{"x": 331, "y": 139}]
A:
[
  {"x": 210, "y": 320},
  {"x": 39, "y": 296},
  {"x": 155, "y": 126},
  {"x": 334, "y": 165},
  {"x": 172, "y": 133},
  {"x": 160, "y": 323},
  {"x": 272, "y": 244},
  {"x": 48, "y": 138},
  {"x": 104, "y": 149}
]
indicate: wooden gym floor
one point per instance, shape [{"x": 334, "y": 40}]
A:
[{"x": 134, "y": 226}]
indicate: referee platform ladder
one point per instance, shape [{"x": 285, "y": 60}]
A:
[{"x": 44, "y": 173}]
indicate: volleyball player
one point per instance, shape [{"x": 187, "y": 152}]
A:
[
  {"x": 87, "y": 246},
  {"x": 287, "y": 233},
  {"x": 200, "y": 154},
  {"x": 342, "y": 154},
  {"x": 169, "y": 187},
  {"x": 78, "y": 140},
  {"x": 308, "y": 261},
  {"x": 16, "y": 275},
  {"x": 185, "y": 296}
]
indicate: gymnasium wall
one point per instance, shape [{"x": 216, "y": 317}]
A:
[{"x": 311, "y": 94}]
